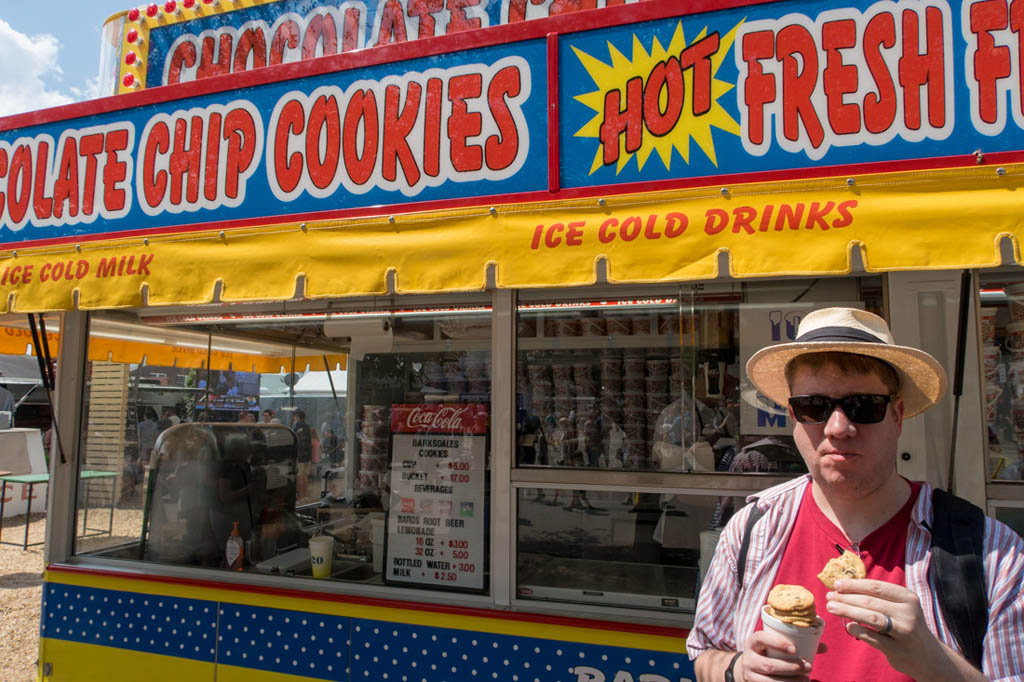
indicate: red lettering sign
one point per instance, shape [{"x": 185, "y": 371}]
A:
[
  {"x": 848, "y": 78},
  {"x": 441, "y": 418},
  {"x": 63, "y": 182},
  {"x": 401, "y": 134},
  {"x": 213, "y": 149}
]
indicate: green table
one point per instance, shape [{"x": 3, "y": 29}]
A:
[{"x": 31, "y": 480}]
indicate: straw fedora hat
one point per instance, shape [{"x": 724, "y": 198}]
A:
[{"x": 850, "y": 330}]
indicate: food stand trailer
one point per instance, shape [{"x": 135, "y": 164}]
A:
[{"x": 542, "y": 238}]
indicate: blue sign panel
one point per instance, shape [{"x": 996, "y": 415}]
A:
[
  {"x": 778, "y": 87},
  {"x": 451, "y": 126},
  {"x": 644, "y": 98}
]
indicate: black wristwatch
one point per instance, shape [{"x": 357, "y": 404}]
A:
[{"x": 732, "y": 664}]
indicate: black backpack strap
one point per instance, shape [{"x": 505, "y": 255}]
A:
[
  {"x": 741, "y": 559},
  {"x": 957, "y": 570}
]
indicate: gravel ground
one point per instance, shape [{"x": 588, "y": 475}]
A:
[{"x": 21, "y": 580}]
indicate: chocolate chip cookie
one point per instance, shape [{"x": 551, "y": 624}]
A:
[{"x": 848, "y": 565}]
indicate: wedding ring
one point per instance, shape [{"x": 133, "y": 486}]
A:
[{"x": 888, "y": 626}]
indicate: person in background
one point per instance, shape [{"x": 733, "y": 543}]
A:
[
  {"x": 305, "y": 453},
  {"x": 168, "y": 418},
  {"x": 148, "y": 431},
  {"x": 849, "y": 387},
  {"x": 335, "y": 423},
  {"x": 269, "y": 418},
  {"x": 330, "y": 447},
  {"x": 315, "y": 445}
]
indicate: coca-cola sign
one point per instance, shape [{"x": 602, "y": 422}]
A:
[{"x": 439, "y": 418}]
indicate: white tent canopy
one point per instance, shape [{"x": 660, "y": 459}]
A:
[{"x": 317, "y": 385}]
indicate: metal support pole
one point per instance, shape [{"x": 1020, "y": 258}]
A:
[
  {"x": 69, "y": 406},
  {"x": 503, "y": 445},
  {"x": 966, "y": 298}
]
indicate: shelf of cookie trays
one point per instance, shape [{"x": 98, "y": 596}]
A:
[{"x": 667, "y": 341}]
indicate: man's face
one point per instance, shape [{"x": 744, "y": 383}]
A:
[
  {"x": 852, "y": 460},
  {"x": 267, "y": 416}
]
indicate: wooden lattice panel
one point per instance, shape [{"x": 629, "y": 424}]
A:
[{"x": 106, "y": 424}]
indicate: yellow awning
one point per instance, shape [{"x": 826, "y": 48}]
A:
[
  {"x": 938, "y": 219},
  {"x": 18, "y": 341}
]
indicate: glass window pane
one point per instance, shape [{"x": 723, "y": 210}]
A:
[
  {"x": 244, "y": 443},
  {"x": 1012, "y": 514},
  {"x": 1002, "y": 350},
  {"x": 658, "y": 383},
  {"x": 621, "y": 548},
  {"x": 601, "y": 383}
]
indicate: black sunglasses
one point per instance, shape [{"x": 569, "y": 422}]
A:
[{"x": 859, "y": 408}]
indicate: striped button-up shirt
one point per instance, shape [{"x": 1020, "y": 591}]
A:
[{"x": 727, "y": 614}]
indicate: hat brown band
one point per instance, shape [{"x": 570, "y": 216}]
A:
[{"x": 838, "y": 334}]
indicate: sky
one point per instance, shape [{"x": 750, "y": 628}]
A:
[{"x": 49, "y": 51}]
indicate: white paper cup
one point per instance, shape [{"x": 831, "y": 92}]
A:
[
  {"x": 1015, "y": 298},
  {"x": 992, "y": 393},
  {"x": 804, "y": 639},
  {"x": 990, "y": 358},
  {"x": 377, "y": 530},
  {"x": 988, "y": 324},
  {"x": 1015, "y": 339},
  {"x": 321, "y": 552},
  {"x": 1018, "y": 419}
]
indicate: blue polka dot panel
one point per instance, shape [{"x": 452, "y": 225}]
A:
[
  {"x": 429, "y": 654},
  {"x": 168, "y": 636},
  {"x": 171, "y": 626},
  {"x": 290, "y": 642}
]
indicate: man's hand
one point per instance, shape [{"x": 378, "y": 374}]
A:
[
  {"x": 889, "y": 618},
  {"x": 755, "y": 666}
]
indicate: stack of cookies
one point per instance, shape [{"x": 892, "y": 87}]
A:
[{"x": 793, "y": 604}]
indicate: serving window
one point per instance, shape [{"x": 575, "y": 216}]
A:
[
  {"x": 355, "y": 443},
  {"x": 350, "y": 446}
]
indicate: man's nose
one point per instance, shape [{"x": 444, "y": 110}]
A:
[{"x": 838, "y": 425}]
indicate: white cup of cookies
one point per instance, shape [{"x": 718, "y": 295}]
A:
[
  {"x": 805, "y": 639},
  {"x": 790, "y": 611}
]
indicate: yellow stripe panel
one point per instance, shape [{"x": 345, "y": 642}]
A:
[
  {"x": 494, "y": 625},
  {"x": 900, "y": 221},
  {"x": 74, "y": 662},
  {"x": 230, "y": 673}
]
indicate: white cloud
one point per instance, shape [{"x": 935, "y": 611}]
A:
[{"x": 24, "y": 63}]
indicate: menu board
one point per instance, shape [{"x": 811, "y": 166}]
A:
[{"x": 436, "y": 520}]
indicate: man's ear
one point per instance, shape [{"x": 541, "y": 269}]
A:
[{"x": 897, "y": 408}]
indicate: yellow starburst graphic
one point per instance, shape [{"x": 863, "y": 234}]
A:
[{"x": 614, "y": 77}]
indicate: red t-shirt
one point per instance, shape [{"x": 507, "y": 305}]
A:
[{"x": 884, "y": 551}]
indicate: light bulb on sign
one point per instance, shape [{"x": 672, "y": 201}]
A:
[
  {"x": 188, "y": 4},
  {"x": 134, "y": 14},
  {"x": 130, "y": 81},
  {"x": 171, "y": 7},
  {"x": 135, "y": 39},
  {"x": 132, "y": 59},
  {"x": 152, "y": 10}
]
